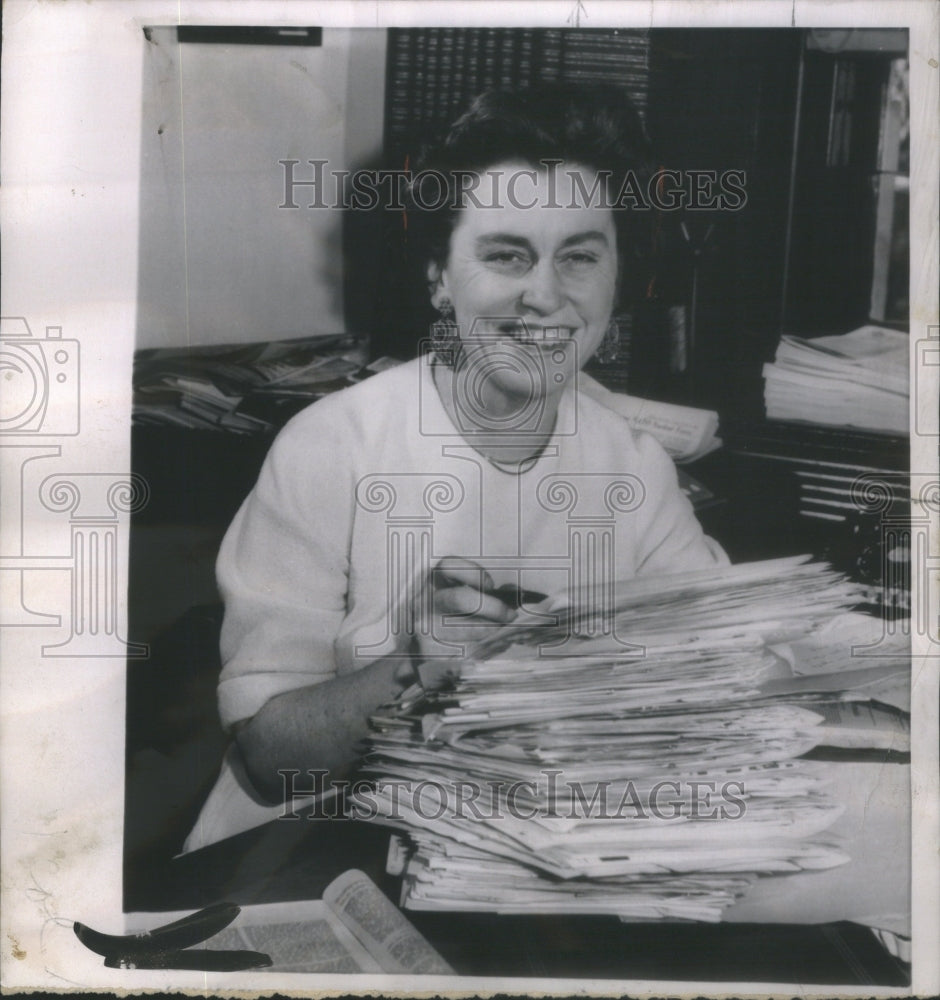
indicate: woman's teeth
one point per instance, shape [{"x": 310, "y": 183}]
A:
[{"x": 547, "y": 336}]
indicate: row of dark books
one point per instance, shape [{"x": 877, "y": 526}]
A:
[{"x": 433, "y": 73}]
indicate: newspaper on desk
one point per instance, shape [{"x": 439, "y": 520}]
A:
[{"x": 353, "y": 929}]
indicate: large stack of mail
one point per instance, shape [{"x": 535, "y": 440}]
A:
[
  {"x": 649, "y": 770},
  {"x": 858, "y": 379}
]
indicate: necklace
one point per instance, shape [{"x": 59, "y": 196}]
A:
[{"x": 514, "y": 468}]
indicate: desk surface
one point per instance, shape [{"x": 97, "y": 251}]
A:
[{"x": 297, "y": 859}]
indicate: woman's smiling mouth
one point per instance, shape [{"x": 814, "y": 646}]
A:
[{"x": 534, "y": 334}]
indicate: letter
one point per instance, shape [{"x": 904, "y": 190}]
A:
[
  {"x": 630, "y": 794},
  {"x": 418, "y": 194},
  {"x": 511, "y": 798},
  {"x": 365, "y": 805},
  {"x": 467, "y": 181},
  {"x": 442, "y": 801},
  {"x": 735, "y": 799},
  {"x": 394, "y": 787},
  {"x": 291, "y": 791},
  {"x": 701, "y": 189},
  {"x": 493, "y": 176},
  {"x": 694, "y": 787},
  {"x": 734, "y": 196},
  {"x": 511, "y": 187},
  {"x": 656, "y": 190},
  {"x": 495, "y": 789},
  {"x": 577, "y": 795},
  {"x": 577, "y": 181},
  {"x": 341, "y": 198},
  {"x": 552, "y": 791},
  {"x": 474, "y": 790},
  {"x": 290, "y": 183},
  {"x": 549, "y": 167},
  {"x": 364, "y": 184},
  {"x": 397, "y": 183},
  {"x": 340, "y": 786},
  {"x": 676, "y": 803},
  {"x": 632, "y": 190}
]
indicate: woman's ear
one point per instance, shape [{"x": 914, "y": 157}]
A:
[{"x": 437, "y": 285}]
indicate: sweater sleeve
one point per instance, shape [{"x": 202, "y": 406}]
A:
[
  {"x": 670, "y": 538},
  {"x": 283, "y": 572}
]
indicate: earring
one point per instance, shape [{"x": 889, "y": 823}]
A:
[
  {"x": 445, "y": 335},
  {"x": 609, "y": 347}
]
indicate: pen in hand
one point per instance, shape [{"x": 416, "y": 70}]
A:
[
  {"x": 464, "y": 600},
  {"x": 510, "y": 594}
]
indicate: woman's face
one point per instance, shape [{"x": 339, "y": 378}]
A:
[{"x": 531, "y": 277}]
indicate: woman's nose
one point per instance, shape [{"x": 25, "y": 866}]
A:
[{"x": 542, "y": 292}]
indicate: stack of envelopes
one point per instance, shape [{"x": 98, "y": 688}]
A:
[{"x": 639, "y": 770}]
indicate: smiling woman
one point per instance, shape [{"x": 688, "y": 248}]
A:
[
  {"x": 531, "y": 289},
  {"x": 396, "y": 522}
]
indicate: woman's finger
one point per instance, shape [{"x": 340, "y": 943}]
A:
[
  {"x": 454, "y": 570},
  {"x": 462, "y": 600},
  {"x": 434, "y": 672}
]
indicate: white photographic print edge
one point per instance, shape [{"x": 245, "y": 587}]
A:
[{"x": 73, "y": 89}]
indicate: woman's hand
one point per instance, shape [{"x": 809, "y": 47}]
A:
[{"x": 458, "y": 587}]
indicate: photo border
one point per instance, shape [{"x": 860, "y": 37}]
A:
[{"x": 70, "y": 164}]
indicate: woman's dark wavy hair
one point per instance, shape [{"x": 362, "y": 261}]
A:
[{"x": 593, "y": 125}]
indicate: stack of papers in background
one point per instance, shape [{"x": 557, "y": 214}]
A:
[
  {"x": 589, "y": 733},
  {"x": 248, "y": 389},
  {"x": 857, "y": 379}
]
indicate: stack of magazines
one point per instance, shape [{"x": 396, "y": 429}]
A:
[
  {"x": 652, "y": 769},
  {"x": 858, "y": 379}
]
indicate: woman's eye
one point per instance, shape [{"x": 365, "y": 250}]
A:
[
  {"x": 580, "y": 259},
  {"x": 512, "y": 260}
]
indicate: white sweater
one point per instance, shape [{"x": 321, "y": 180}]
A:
[{"x": 368, "y": 488}]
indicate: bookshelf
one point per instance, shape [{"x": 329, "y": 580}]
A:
[
  {"x": 847, "y": 254},
  {"x": 818, "y": 123},
  {"x": 433, "y": 73}
]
